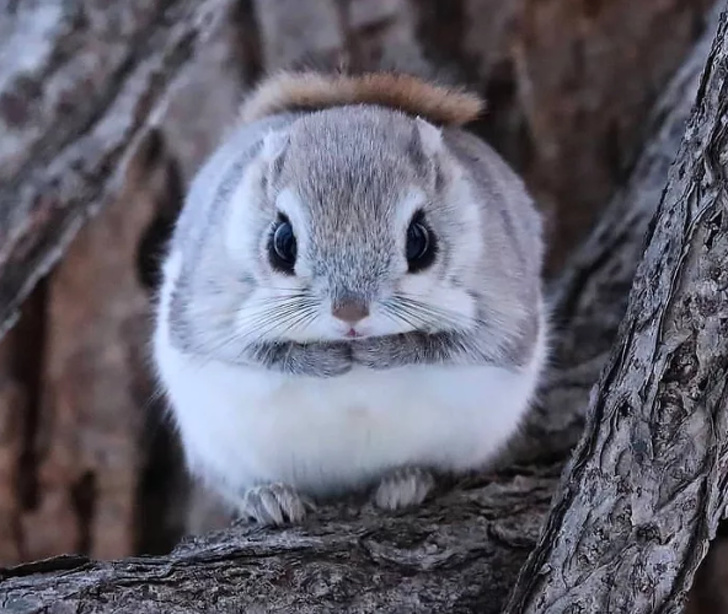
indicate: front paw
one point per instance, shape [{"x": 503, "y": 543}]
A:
[
  {"x": 274, "y": 504},
  {"x": 330, "y": 360},
  {"x": 404, "y": 487},
  {"x": 376, "y": 353}
]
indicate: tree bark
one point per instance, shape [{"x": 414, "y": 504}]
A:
[
  {"x": 646, "y": 486},
  {"x": 601, "y": 44},
  {"x": 589, "y": 298},
  {"x": 458, "y": 554},
  {"x": 81, "y": 449},
  {"x": 78, "y": 81},
  {"x": 661, "y": 408}
]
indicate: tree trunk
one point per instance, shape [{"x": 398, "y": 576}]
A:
[
  {"x": 590, "y": 296},
  {"x": 85, "y": 463},
  {"x": 646, "y": 486},
  {"x": 78, "y": 81}
]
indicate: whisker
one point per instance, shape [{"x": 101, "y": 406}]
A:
[
  {"x": 281, "y": 315},
  {"x": 418, "y": 313},
  {"x": 397, "y": 315},
  {"x": 283, "y": 321},
  {"x": 428, "y": 315},
  {"x": 433, "y": 309}
]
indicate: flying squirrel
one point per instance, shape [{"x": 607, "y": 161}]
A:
[{"x": 351, "y": 298}]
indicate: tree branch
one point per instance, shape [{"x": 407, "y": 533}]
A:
[{"x": 454, "y": 555}]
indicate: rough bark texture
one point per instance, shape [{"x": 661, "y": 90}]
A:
[
  {"x": 85, "y": 465},
  {"x": 94, "y": 375},
  {"x": 460, "y": 553},
  {"x": 590, "y": 297},
  {"x": 586, "y": 112},
  {"x": 77, "y": 82},
  {"x": 646, "y": 486}
]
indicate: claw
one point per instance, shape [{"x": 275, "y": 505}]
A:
[
  {"x": 274, "y": 504},
  {"x": 404, "y": 487}
]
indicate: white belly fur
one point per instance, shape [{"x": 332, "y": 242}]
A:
[{"x": 247, "y": 425}]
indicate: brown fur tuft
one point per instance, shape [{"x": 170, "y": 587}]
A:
[{"x": 289, "y": 91}]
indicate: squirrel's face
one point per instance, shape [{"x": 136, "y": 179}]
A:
[{"x": 359, "y": 224}]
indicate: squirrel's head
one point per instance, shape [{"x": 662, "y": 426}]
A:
[{"x": 351, "y": 222}]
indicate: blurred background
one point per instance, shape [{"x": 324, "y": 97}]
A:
[{"x": 140, "y": 91}]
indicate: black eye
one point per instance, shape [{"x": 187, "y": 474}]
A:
[
  {"x": 421, "y": 244},
  {"x": 282, "y": 246}
]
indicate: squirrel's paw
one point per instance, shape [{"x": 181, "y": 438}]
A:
[
  {"x": 404, "y": 487},
  {"x": 274, "y": 504}
]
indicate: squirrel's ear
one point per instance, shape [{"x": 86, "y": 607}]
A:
[
  {"x": 273, "y": 152},
  {"x": 274, "y": 144},
  {"x": 430, "y": 137}
]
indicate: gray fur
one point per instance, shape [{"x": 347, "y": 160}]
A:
[
  {"x": 204, "y": 274},
  {"x": 351, "y": 166}
]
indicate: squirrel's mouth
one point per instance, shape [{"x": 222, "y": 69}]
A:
[{"x": 352, "y": 334}]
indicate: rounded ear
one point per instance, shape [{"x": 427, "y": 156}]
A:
[
  {"x": 273, "y": 151},
  {"x": 430, "y": 137},
  {"x": 274, "y": 144},
  {"x": 425, "y": 152}
]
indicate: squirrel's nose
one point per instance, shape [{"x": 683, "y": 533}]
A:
[{"x": 350, "y": 310}]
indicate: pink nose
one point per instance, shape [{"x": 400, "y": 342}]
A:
[{"x": 350, "y": 311}]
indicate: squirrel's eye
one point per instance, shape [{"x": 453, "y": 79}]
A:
[
  {"x": 421, "y": 245},
  {"x": 282, "y": 246}
]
